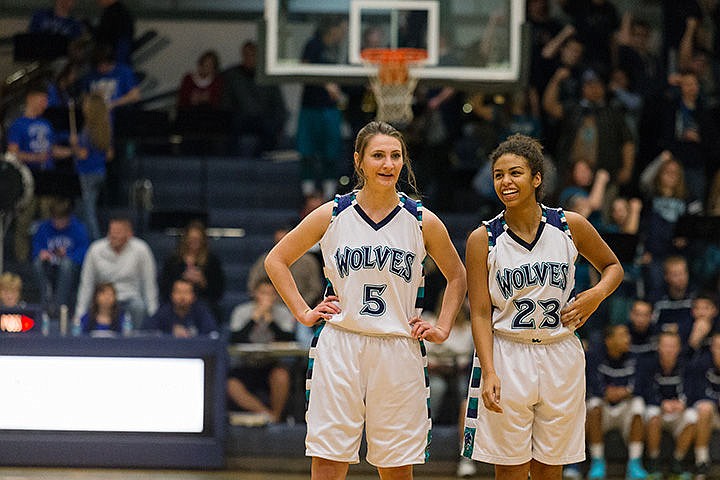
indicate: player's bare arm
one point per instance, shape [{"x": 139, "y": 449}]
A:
[
  {"x": 292, "y": 246},
  {"x": 591, "y": 246},
  {"x": 476, "y": 255},
  {"x": 440, "y": 248}
]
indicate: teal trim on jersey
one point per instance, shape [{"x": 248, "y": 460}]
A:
[
  {"x": 565, "y": 225},
  {"x": 491, "y": 237},
  {"x": 468, "y": 442},
  {"x": 336, "y": 200},
  {"x": 311, "y": 362},
  {"x": 427, "y": 445},
  {"x": 475, "y": 377},
  {"x": 472, "y": 408}
]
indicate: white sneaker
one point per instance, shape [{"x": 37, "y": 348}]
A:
[
  {"x": 466, "y": 468},
  {"x": 571, "y": 471}
]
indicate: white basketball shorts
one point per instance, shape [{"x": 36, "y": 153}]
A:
[
  {"x": 375, "y": 382},
  {"x": 542, "y": 390}
]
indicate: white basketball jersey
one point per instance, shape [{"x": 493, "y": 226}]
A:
[
  {"x": 375, "y": 269},
  {"x": 531, "y": 283}
]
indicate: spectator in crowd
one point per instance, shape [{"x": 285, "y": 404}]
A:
[
  {"x": 623, "y": 97},
  {"x": 319, "y": 137},
  {"x": 263, "y": 387},
  {"x": 126, "y": 262},
  {"x": 664, "y": 187},
  {"x": 595, "y": 21},
  {"x": 696, "y": 55},
  {"x": 676, "y": 16},
  {"x": 59, "y": 247},
  {"x": 113, "y": 80},
  {"x": 568, "y": 56},
  {"x": 591, "y": 130},
  {"x": 624, "y": 216},
  {"x": 31, "y": 140},
  {"x": 93, "y": 149},
  {"x": 202, "y": 88},
  {"x": 584, "y": 191},
  {"x": 11, "y": 290},
  {"x": 642, "y": 337},
  {"x": 704, "y": 313},
  {"x": 690, "y": 132},
  {"x": 104, "y": 314},
  {"x": 183, "y": 316},
  {"x": 673, "y": 311},
  {"x": 523, "y": 116},
  {"x": 58, "y": 19},
  {"x": 663, "y": 380},
  {"x": 704, "y": 395},
  {"x": 307, "y": 271},
  {"x": 194, "y": 262},
  {"x": 635, "y": 56},
  {"x": 116, "y": 29},
  {"x": 546, "y": 33},
  {"x": 613, "y": 402},
  {"x": 63, "y": 88},
  {"x": 624, "y": 220},
  {"x": 257, "y": 109}
]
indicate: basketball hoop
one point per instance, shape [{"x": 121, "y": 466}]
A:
[{"x": 392, "y": 82}]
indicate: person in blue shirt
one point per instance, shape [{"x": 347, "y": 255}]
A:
[
  {"x": 613, "y": 402},
  {"x": 58, "y": 19},
  {"x": 663, "y": 379},
  {"x": 58, "y": 250},
  {"x": 704, "y": 396},
  {"x": 184, "y": 316},
  {"x": 113, "y": 80},
  {"x": 31, "y": 140},
  {"x": 673, "y": 312},
  {"x": 93, "y": 149}
]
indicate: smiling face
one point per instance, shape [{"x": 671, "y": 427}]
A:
[
  {"x": 513, "y": 180},
  {"x": 380, "y": 161}
]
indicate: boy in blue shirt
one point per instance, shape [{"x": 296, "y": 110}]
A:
[{"x": 59, "y": 247}]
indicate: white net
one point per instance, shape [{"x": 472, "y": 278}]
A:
[
  {"x": 392, "y": 83},
  {"x": 394, "y": 101}
]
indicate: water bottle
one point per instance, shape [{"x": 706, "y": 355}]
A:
[
  {"x": 63, "y": 320},
  {"x": 126, "y": 325},
  {"x": 45, "y": 325},
  {"x": 76, "y": 329}
]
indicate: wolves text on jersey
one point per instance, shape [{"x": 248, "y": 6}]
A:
[
  {"x": 541, "y": 273},
  {"x": 398, "y": 262}
]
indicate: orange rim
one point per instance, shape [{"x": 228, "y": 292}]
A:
[{"x": 404, "y": 56}]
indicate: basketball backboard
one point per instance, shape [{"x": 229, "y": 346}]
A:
[{"x": 471, "y": 42}]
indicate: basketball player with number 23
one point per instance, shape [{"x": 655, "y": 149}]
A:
[
  {"x": 367, "y": 360},
  {"x": 526, "y": 402}
]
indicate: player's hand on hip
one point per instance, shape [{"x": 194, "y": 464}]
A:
[
  {"x": 324, "y": 310},
  {"x": 575, "y": 314},
  {"x": 491, "y": 392}
]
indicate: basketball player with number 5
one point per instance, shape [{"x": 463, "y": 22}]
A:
[
  {"x": 524, "y": 312},
  {"x": 367, "y": 360}
]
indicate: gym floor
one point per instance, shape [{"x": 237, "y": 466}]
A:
[{"x": 124, "y": 474}]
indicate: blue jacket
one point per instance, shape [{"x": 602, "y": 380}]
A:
[
  {"x": 198, "y": 318},
  {"x": 603, "y": 371},
  {"x": 704, "y": 378},
  {"x": 74, "y": 238},
  {"x": 656, "y": 385}
]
